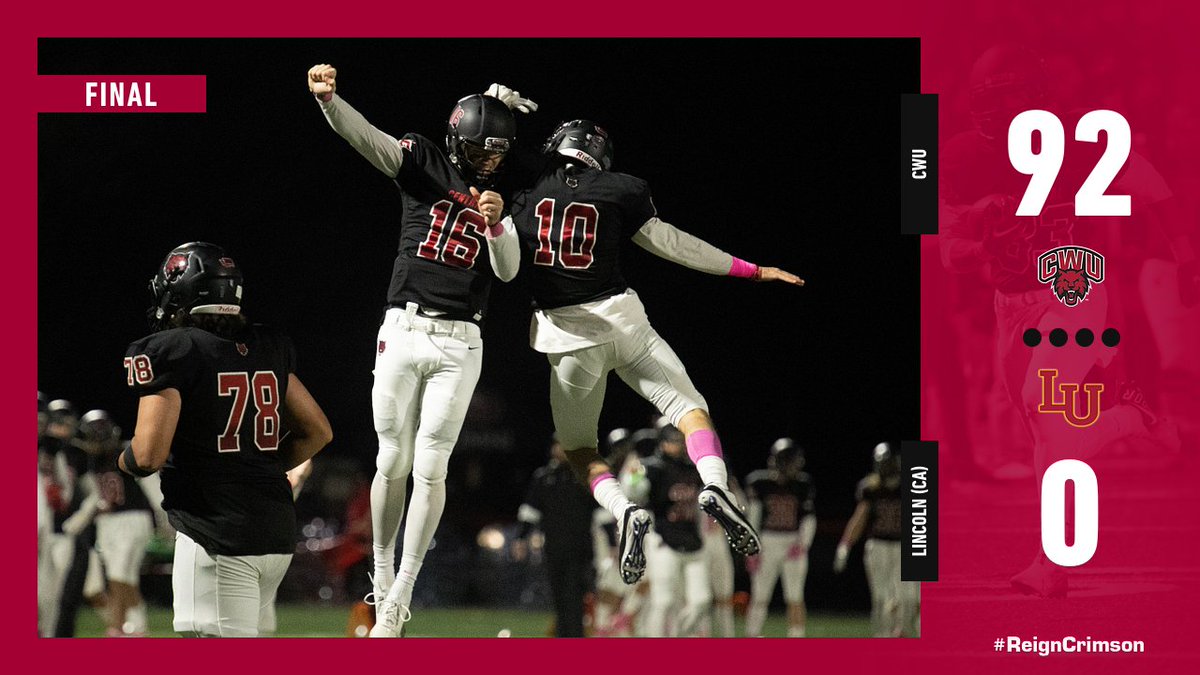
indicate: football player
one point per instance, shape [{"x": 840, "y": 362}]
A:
[
  {"x": 677, "y": 568},
  {"x": 589, "y": 322},
  {"x": 895, "y": 604},
  {"x": 562, "y": 509},
  {"x": 223, "y": 415},
  {"x": 781, "y": 505},
  {"x": 980, "y": 192},
  {"x": 124, "y": 523},
  {"x": 429, "y": 351}
]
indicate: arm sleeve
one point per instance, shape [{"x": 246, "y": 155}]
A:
[
  {"x": 381, "y": 150},
  {"x": 505, "y": 249},
  {"x": 670, "y": 243}
]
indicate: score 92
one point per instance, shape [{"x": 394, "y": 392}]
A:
[{"x": 1042, "y": 164}]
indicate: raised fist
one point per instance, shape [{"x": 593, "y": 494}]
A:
[{"x": 322, "y": 81}]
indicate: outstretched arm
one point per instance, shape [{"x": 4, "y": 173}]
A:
[
  {"x": 670, "y": 243},
  {"x": 381, "y": 150}
]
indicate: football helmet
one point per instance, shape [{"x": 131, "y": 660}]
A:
[
  {"x": 196, "y": 278},
  {"x": 786, "y": 457},
  {"x": 96, "y": 426},
  {"x": 1005, "y": 80},
  {"x": 887, "y": 460},
  {"x": 480, "y": 127},
  {"x": 582, "y": 140}
]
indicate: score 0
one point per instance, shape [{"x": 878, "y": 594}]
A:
[{"x": 1042, "y": 167}]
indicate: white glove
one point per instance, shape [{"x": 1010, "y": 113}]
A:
[
  {"x": 511, "y": 98},
  {"x": 839, "y": 559}
]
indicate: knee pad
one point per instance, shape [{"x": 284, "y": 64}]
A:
[
  {"x": 391, "y": 462},
  {"x": 431, "y": 466}
]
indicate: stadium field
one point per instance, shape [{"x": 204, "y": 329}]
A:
[{"x": 317, "y": 620}]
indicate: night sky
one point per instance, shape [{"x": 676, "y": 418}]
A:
[{"x": 780, "y": 152}]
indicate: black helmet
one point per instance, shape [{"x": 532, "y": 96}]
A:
[
  {"x": 887, "y": 460},
  {"x": 583, "y": 140},
  {"x": 60, "y": 409},
  {"x": 479, "y": 123},
  {"x": 786, "y": 455},
  {"x": 97, "y": 426},
  {"x": 197, "y": 278}
]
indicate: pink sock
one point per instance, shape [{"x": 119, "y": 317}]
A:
[
  {"x": 705, "y": 450},
  {"x": 703, "y": 443}
]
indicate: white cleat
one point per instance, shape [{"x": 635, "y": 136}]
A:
[
  {"x": 635, "y": 524},
  {"x": 719, "y": 503},
  {"x": 390, "y": 618}
]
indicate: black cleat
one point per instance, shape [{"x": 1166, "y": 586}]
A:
[
  {"x": 632, "y": 555},
  {"x": 718, "y": 503}
]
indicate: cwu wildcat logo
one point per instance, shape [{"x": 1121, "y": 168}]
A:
[{"x": 1071, "y": 270}]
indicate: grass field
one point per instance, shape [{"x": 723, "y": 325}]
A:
[{"x": 318, "y": 620}]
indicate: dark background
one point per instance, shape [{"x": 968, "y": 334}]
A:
[{"x": 778, "y": 151}]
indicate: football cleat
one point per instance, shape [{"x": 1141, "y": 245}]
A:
[
  {"x": 390, "y": 618},
  {"x": 719, "y": 504},
  {"x": 1042, "y": 579},
  {"x": 635, "y": 524}
]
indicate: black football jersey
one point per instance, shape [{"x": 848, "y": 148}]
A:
[
  {"x": 883, "y": 503},
  {"x": 785, "y": 503},
  {"x": 223, "y": 484},
  {"x": 442, "y": 263},
  {"x": 674, "y": 487},
  {"x": 566, "y": 507},
  {"x": 571, "y": 228}
]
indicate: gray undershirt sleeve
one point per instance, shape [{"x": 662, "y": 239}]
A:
[
  {"x": 381, "y": 149},
  {"x": 670, "y": 243}
]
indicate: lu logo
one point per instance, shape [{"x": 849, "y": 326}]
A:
[{"x": 1064, "y": 398}]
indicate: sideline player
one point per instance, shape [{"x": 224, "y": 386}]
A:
[
  {"x": 781, "y": 505},
  {"x": 895, "y": 604},
  {"x": 223, "y": 415},
  {"x": 429, "y": 352},
  {"x": 589, "y": 322},
  {"x": 124, "y": 523},
  {"x": 677, "y": 567},
  {"x": 980, "y": 192}
]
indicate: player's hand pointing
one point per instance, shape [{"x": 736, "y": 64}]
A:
[
  {"x": 490, "y": 204},
  {"x": 322, "y": 81},
  {"x": 776, "y": 274}
]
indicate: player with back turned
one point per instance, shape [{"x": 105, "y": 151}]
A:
[
  {"x": 223, "y": 415},
  {"x": 588, "y": 321},
  {"x": 781, "y": 505},
  {"x": 429, "y": 353}
]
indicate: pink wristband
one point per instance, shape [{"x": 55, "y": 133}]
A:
[
  {"x": 742, "y": 269},
  {"x": 494, "y": 231}
]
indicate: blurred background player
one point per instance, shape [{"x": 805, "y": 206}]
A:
[
  {"x": 562, "y": 509},
  {"x": 223, "y": 415},
  {"x": 895, "y": 604},
  {"x": 983, "y": 236},
  {"x": 71, "y": 486},
  {"x": 589, "y": 322},
  {"x": 676, "y": 566},
  {"x": 781, "y": 505},
  {"x": 719, "y": 559},
  {"x": 429, "y": 352},
  {"x": 124, "y": 524}
]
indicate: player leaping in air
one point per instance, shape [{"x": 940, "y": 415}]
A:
[
  {"x": 588, "y": 321},
  {"x": 429, "y": 353}
]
